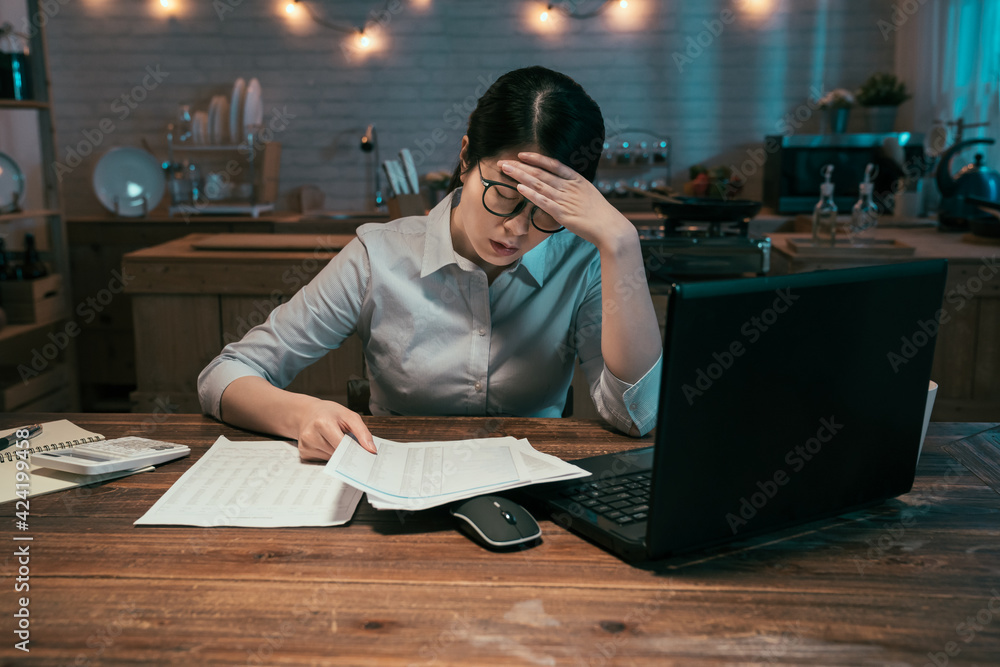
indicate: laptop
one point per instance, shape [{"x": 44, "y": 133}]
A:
[{"x": 783, "y": 400}]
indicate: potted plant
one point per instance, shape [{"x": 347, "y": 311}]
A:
[
  {"x": 881, "y": 96},
  {"x": 837, "y": 105}
]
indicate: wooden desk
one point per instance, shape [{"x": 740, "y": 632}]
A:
[{"x": 885, "y": 586}]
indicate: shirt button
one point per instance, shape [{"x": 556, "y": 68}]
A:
[
  {"x": 482, "y": 332},
  {"x": 479, "y": 386},
  {"x": 633, "y": 406}
]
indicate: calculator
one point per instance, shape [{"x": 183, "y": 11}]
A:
[{"x": 104, "y": 456}]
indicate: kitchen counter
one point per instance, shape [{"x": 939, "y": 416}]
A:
[
  {"x": 967, "y": 354},
  {"x": 97, "y": 243}
]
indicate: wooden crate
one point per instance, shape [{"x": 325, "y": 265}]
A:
[
  {"x": 34, "y": 301},
  {"x": 15, "y": 393}
]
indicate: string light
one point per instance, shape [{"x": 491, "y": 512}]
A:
[
  {"x": 363, "y": 40},
  {"x": 165, "y": 4},
  {"x": 290, "y": 7},
  {"x": 571, "y": 13}
]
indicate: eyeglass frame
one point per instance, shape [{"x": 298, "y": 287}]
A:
[{"x": 487, "y": 184}]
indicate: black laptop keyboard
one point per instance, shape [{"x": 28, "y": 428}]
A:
[{"x": 624, "y": 499}]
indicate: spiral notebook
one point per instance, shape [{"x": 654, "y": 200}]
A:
[{"x": 55, "y": 435}]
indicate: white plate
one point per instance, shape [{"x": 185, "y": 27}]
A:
[
  {"x": 221, "y": 132},
  {"x": 127, "y": 175},
  {"x": 11, "y": 185},
  {"x": 218, "y": 120},
  {"x": 253, "y": 108},
  {"x": 236, "y": 111},
  {"x": 213, "y": 114},
  {"x": 199, "y": 127}
]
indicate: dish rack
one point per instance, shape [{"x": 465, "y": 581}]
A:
[{"x": 253, "y": 177}]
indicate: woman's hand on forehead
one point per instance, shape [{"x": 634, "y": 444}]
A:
[{"x": 568, "y": 197}]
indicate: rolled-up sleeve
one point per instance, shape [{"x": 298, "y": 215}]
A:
[
  {"x": 317, "y": 319},
  {"x": 631, "y": 408}
]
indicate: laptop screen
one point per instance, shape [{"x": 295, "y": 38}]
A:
[{"x": 790, "y": 398}]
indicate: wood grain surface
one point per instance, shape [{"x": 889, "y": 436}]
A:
[{"x": 910, "y": 581}]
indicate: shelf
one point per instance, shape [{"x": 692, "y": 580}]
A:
[
  {"x": 31, "y": 213},
  {"x": 207, "y": 147},
  {"x": 23, "y": 104},
  {"x": 253, "y": 210},
  {"x": 15, "y": 330}
]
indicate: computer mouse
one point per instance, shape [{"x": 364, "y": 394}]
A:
[{"x": 496, "y": 523}]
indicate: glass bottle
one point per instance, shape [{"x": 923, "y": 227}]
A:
[
  {"x": 864, "y": 215},
  {"x": 6, "y": 270},
  {"x": 15, "y": 66},
  {"x": 33, "y": 267},
  {"x": 184, "y": 133},
  {"x": 824, "y": 222}
]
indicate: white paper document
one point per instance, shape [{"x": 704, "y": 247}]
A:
[
  {"x": 260, "y": 484},
  {"x": 419, "y": 475}
]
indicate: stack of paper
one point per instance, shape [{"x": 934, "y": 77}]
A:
[
  {"x": 419, "y": 475},
  {"x": 253, "y": 484}
]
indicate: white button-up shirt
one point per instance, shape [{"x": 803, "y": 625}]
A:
[{"x": 437, "y": 338}]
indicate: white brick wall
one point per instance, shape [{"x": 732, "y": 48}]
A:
[{"x": 750, "y": 75}]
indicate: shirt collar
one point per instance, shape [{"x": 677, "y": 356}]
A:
[{"x": 439, "y": 251}]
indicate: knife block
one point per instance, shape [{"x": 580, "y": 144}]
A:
[{"x": 401, "y": 206}]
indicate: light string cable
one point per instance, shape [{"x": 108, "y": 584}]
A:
[
  {"x": 568, "y": 8},
  {"x": 338, "y": 27}
]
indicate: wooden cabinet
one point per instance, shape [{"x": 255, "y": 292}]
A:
[
  {"x": 967, "y": 350},
  {"x": 187, "y": 303},
  {"x": 97, "y": 244},
  {"x": 105, "y": 344},
  {"x": 37, "y": 353}
]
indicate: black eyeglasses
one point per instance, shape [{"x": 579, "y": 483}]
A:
[{"x": 503, "y": 200}]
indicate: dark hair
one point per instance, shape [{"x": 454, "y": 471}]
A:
[{"x": 536, "y": 106}]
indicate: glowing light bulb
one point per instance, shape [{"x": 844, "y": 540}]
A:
[
  {"x": 290, "y": 8},
  {"x": 165, "y": 3},
  {"x": 623, "y": 4},
  {"x": 544, "y": 16},
  {"x": 364, "y": 41}
]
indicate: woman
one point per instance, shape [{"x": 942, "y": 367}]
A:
[{"x": 480, "y": 307}]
